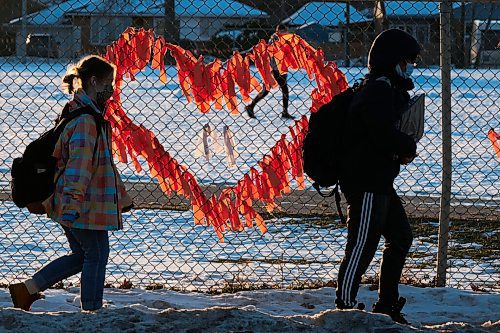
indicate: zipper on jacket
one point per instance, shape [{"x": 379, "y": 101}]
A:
[{"x": 114, "y": 174}]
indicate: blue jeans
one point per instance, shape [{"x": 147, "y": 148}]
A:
[{"x": 89, "y": 255}]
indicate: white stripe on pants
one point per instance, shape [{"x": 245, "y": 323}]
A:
[{"x": 352, "y": 267}]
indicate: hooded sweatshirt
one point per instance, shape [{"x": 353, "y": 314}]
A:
[{"x": 372, "y": 146}]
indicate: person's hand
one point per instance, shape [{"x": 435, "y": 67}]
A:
[
  {"x": 407, "y": 159},
  {"x": 128, "y": 208},
  {"x": 69, "y": 217}
]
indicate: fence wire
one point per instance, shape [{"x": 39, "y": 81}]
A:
[{"x": 160, "y": 245}]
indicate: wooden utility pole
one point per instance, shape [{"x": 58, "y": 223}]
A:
[
  {"x": 461, "y": 50},
  {"x": 171, "y": 33},
  {"x": 477, "y": 64},
  {"x": 379, "y": 16},
  {"x": 346, "y": 34},
  {"x": 22, "y": 42}
]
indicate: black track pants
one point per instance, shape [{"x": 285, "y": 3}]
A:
[
  {"x": 282, "y": 81},
  {"x": 370, "y": 216}
]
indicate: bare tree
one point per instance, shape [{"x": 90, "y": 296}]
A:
[
  {"x": 486, "y": 28},
  {"x": 460, "y": 38}
]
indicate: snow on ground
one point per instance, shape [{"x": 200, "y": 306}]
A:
[
  {"x": 30, "y": 98},
  {"x": 165, "y": 247},
  {"x": 136, "y": 310}
]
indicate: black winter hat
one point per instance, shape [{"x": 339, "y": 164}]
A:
[{"x": 389, "y": 48}]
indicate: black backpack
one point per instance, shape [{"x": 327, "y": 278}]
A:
[
  {"x": 322, "y": 147},
  {"x": 33, "y": 173}
]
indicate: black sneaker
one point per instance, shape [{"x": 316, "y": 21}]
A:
[
  {"x": 342, "y": 306},
  {"x": 393, "y": 310},
  {"x": 250, "y": 112},
  {"x": 286, "y": 115}
]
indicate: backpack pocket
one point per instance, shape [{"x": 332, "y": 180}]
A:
[{"x": 32, "y": 182}]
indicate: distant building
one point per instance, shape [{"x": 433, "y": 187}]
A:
[
  {"x": 478, "y": 11},
  {"x": 328, "y": 14},
  {"x": 326, "y": 24},
  {"x": 316, "y": 34},
  {"x": 80, "y": 26},
  {"x": 10, "y": 10},
  {"x": 421, "y": 20},
  {"x": 415, "y": 17},
  {"x": 418, "y": 18},
  {"x": 479, "y": 24},
  {"x": 485, "y": 41}
]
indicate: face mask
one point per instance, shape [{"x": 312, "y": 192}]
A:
[
  {"x": 103, "y": 96},
  {"x": 407, "y": 73}
]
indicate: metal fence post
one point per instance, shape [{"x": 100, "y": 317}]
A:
[
  {"x": 171, "y": 238},
  {"x": 23, "y": 32},
  {"x": 346, "y": 32},
  {"x": 444, "y": 212}
]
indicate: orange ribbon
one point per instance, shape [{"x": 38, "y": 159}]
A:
[
  {"x": 495, "y": 141},
  {"x": 215, "y": 83}
]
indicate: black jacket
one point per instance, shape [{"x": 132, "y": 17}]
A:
[{"x": 372, "y": 146}]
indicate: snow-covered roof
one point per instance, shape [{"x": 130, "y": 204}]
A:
[
  {"x": 121, "y": 7},
  {"x": 324, "y": 13},
  {"x": 209, "y": 8},
  {"x": 478, "y": 11},
  {"x": 411, "y": 8},
  {"x": 49, "y": 2},
  {"x": 235, "y": 33},
  {"x": 414, "y": 8},
  {"x": 311, "y": 24},
  {"x": 55, "y": 13},
  {"x": 195, "y": 8},
  {"x": 215, "y": 8}
]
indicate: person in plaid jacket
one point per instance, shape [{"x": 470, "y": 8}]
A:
[{"x": 89, "y": 196}]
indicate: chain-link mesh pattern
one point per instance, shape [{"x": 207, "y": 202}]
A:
[{"x": 160, "y": 245}]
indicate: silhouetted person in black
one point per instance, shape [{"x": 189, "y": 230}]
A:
[
  {"x": 281, "y": 79},
  {"x": 374, "y": 150}
]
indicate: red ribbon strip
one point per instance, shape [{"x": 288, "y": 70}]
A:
[{"x": 216, "y": 83}]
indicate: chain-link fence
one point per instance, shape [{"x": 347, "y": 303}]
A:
[{"x": 161, "y": 246}]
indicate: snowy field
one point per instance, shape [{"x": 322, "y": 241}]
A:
[
  {"x": 135, "y": 310},
  {"x": 164, "y": 247},
  {"x": 30, "y": 98}
]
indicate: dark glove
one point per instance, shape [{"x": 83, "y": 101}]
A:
[
  {"x": 407, "y": 159},
  {"x": 128, "y": 208}
]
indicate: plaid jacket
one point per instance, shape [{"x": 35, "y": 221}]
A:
[{"x": 87, "y": 182}]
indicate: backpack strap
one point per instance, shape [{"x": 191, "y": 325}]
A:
[
  {"x": 67, "y": 116},
  {"x": 385, "y": 79},
  {"x": 334, "y": 191},
  {"x": 317, "y": 187},
  {"x": 337, "y": 203}
]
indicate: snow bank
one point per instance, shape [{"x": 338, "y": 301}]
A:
[{"x": 136, "y": 310}]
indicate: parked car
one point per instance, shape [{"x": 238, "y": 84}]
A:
[{"x": 41, "y": 45}]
